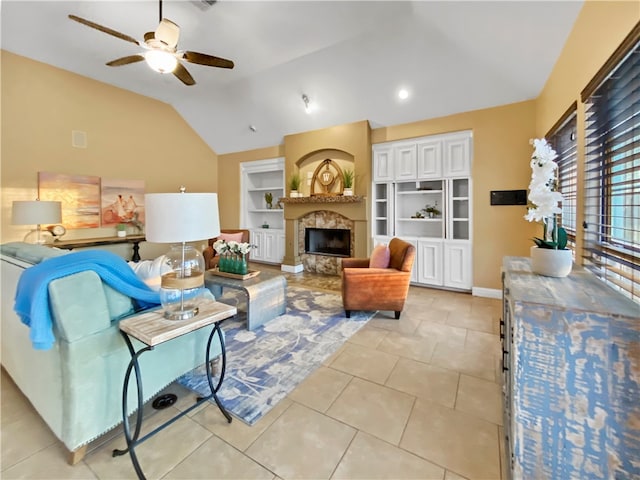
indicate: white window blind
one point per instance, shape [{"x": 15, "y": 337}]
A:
[
  {"x": 563, "y": 141},
  {"x": 612, "y": 175}
]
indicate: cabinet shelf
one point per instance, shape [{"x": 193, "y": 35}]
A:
[
  {"x": 420, "y": 192},
  {"x": 419, "y": 219},
  {"x": 266, "y": 210}
]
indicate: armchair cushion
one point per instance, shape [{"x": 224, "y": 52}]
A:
[
  {"x": 380, "y": 257},
  {"x": 231, "y": 237}
]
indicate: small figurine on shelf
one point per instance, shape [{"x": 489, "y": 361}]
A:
[
  {"x": 268, "y": 197},
  {"x": 418, "y": 215},
  {"x": 432, "y": 210}
]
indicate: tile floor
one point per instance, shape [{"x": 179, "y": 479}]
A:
[{"x": 417, "y": 398}]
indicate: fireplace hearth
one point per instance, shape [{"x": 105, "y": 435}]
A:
[{"x": 332, "y": 242}]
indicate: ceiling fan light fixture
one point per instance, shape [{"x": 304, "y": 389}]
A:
[
  {"x": 309, "y": 106},
  {"x": 161, "y": 61}
]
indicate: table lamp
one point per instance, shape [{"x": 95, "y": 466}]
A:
[
  {"x": 36, "y": 212},
  {"x": 179, "y": 218}
]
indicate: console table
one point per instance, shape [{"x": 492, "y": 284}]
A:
[
  {"x": 95, "y": 242},
  {"x": 571, "y": 376},
  {"x": 151, "y": 328}
]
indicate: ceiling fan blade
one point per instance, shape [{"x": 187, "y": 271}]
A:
[
  {"x": 168, "y": 33},
  {"x": 107, "y": 30},
  {"x": 208, "y": 60},
  {"x": 184, "y": 76},
  {"x": 125, "y": 60}
]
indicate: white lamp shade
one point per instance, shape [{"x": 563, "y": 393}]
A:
[
  {"x": 35, "y": 212},
  {"x": 181, "y": 217}
]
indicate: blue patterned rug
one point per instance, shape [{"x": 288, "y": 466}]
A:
[{"x": 264, "y": 365}]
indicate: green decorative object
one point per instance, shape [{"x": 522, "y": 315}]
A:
[{"x": 268, "y": 197}]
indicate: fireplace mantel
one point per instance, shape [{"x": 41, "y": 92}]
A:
[{"x": 324, "y": 199}]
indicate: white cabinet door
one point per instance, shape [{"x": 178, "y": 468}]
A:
[
  {"x": 430, "y": 262},
  {"x": 257, "y": 239},
  {"x": 405, "y": 166},
  {"x": 382, "y": 163},
  {"x": 457, "y": 265},
  {"x": 280, "y": 246},
  {"x": 429, "y": 159},
  {"x": 457, "y": 155},
  {"x": 270, "y": 246}
]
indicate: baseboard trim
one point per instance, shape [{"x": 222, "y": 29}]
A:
[
  {"x": 486, "y": 292},
  {"x": 292, "y": 268}
]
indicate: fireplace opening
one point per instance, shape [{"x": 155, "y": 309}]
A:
[{"x": 327, "y": 241}]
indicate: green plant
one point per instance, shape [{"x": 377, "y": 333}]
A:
[
  {"x": 347, "y": 178},
  {"x": 294, "y": 181},
  {"x": 268, "y": 198},
  {"x": 121, "y": 227},
  {"x": 432, "y": 209},
  {"x": 559, "y": 235}
]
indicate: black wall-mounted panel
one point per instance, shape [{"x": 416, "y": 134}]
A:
[{"x": 508, "y": 197}]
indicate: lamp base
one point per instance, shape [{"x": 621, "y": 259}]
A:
[
  {"x": 181, "y": 314},
  {"x": 39, "y": 237}
]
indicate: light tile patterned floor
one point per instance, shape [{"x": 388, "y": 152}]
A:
[{"x": 417, "y": 398}]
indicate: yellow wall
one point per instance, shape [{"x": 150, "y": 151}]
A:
[{"x": 129, "y": 137}]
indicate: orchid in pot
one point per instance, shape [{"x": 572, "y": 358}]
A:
[{"x": 549, "y": 256}]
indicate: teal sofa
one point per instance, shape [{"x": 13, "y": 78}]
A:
[{"x": 76, "y": 386}]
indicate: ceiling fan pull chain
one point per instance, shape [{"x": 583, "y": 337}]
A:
[{"x": 160, "y": 19}]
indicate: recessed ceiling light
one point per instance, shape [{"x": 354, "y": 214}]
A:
[{"x": 403, "y": 94}]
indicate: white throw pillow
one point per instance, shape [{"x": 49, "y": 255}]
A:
[{"x": 151, "y": 271}]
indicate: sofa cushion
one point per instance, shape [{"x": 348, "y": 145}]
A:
[
  {"x": 231, "y": 237},
  {"x": 380, "y": 257},
  {"x": 30, "y": 252}
]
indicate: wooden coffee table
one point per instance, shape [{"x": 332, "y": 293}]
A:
[{"x": 266, "y": 294}]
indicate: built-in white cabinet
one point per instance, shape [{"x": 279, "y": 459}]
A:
[
  {"x": 431, "y": 209},
  {"x": 383, "y": 163},
  {"x": 265, "y": 223}
]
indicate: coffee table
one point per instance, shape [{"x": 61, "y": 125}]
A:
[{"x": 266, "y": 294}]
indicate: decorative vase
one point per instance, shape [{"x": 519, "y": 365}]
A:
[
  {"x": 294, "y": 194},
  {"x": 243, "y": 268},
  {"x": 347, "y": 192},
  {"x": 551, "y": 263},
  {"x": 121, "y": 233}
]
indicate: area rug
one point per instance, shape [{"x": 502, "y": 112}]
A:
[{"x": 264, "y": 365}]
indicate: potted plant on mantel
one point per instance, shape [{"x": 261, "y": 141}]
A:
[
  {"x": 294, "y": 184},
  {"x": 347, "y": 182},
  {"x": 549, "y": 255}
]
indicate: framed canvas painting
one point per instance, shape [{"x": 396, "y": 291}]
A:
[
  {"x": 122, "y": 201},
  {"x": 79, "y": 194}
]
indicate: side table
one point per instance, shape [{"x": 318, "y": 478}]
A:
[{"x": 151, "y": 328}]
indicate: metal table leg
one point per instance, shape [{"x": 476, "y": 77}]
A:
[{"x": 133, "y": 440}]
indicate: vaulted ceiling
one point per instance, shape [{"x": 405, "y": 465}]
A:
[{"x": 349, "y": 58}]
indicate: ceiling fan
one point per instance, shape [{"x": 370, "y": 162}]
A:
[{"x": 160, "y": 50}]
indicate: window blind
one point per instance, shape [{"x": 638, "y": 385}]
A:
[
  {"x": 563, "y": 140},
  {"x": 612, "y": 176}
]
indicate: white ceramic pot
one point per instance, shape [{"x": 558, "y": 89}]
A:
[
  {"x": 121, "y": 233},
  {"x": 294, "y": 194},
  {"x": 551, "y": 263},
  {"x": 347, "y": 192}
]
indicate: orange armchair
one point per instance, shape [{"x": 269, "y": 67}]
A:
[
  {"x": 365, "y": 288},
  {"x": 211, "y": 258}
]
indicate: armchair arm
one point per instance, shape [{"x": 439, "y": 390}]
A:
[
  {"x": 355, "y": 263},
  {"x": 208, "y": 253}
]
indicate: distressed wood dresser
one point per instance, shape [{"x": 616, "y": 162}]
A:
[{"x": 571, "y": 376}]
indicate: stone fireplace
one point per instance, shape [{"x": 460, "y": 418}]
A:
[
  {"x": 323, "y": 205},
  {"x": 324, "y": 259}
]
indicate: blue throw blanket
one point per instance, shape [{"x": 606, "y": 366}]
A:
[{"x": 32, "y": 293}]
